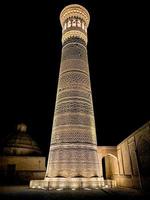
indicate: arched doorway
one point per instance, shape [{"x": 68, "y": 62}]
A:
[
  {"x": 104, "y": 167},
  {"x": 110, "y": 166},
  {"x": 143, "y": 158}
]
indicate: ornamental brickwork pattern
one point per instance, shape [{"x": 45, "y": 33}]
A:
[{"x": 73, "y": 149}]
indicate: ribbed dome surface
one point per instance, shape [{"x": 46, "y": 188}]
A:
[{"x": 20, "y": 143}]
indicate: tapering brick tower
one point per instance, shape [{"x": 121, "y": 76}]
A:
[{"x": 73, "y": 159}]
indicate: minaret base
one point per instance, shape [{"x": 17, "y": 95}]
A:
[{"x": 71, "y": 183}]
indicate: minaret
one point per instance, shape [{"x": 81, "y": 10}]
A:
[{"x": 73, "y": 159}]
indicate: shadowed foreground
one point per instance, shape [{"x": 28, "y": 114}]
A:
[{"x": 23, "y": 192}]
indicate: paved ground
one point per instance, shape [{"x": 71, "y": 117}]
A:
[{"x": 23, "y": 192}]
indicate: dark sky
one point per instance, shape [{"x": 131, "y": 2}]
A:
[{"x": 118, "y": 61}]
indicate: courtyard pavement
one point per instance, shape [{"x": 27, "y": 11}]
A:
[{"x": 24, "y": 192}]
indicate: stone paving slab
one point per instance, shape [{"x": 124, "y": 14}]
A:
[{"x": 23, "y": 192}]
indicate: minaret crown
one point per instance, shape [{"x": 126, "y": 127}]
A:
[{"x": 74, "y": 20}]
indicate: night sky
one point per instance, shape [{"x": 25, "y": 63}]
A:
[{"x": 118, "y": 62}]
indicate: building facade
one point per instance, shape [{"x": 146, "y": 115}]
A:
[
  {"x": 128, "y": 163},
  {"x": 21, "y": 158}
]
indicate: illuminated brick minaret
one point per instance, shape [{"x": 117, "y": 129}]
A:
[{"x": 73, "y": 159}]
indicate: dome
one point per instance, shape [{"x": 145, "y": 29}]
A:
[{"x": 20, "y": 143}]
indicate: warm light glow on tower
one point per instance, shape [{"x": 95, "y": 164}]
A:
[
  {"x": 73, "y": 160},
  {"x": 73, "y": 149}
]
